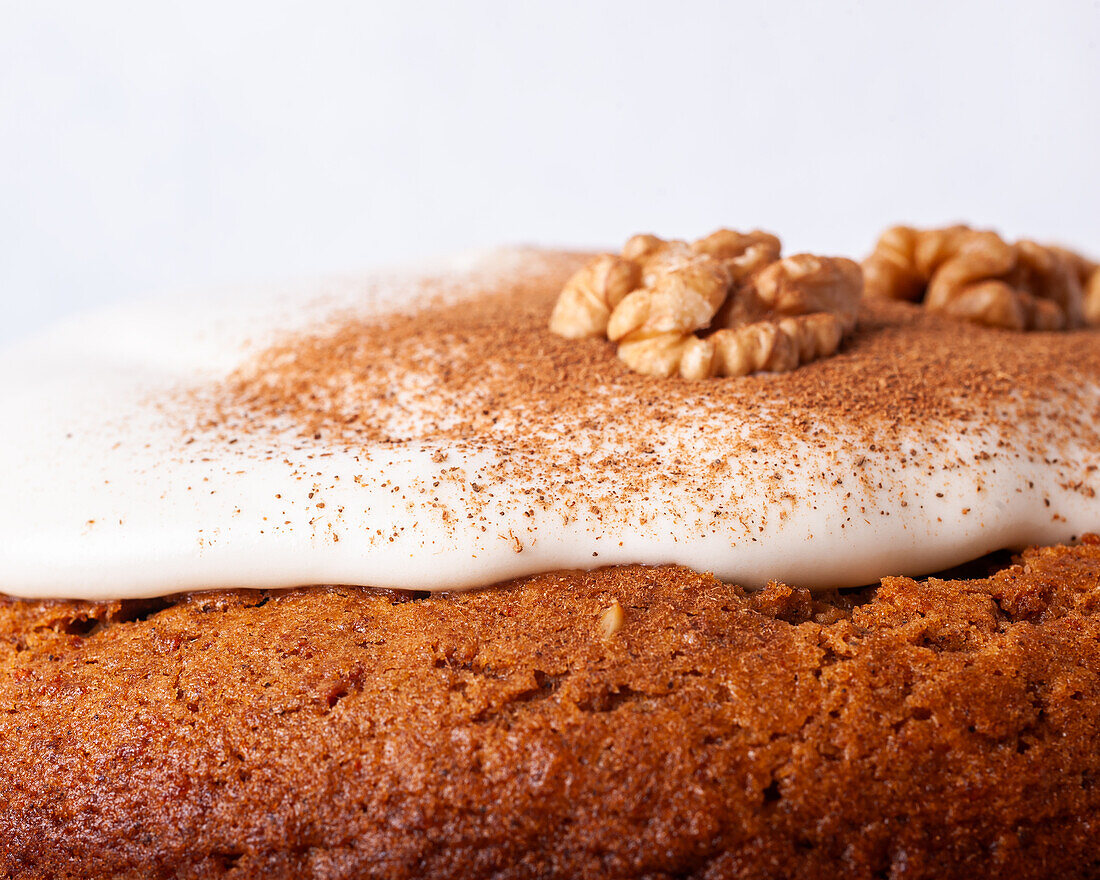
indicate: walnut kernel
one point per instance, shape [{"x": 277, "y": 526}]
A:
[
  {"x": 978, "y": 276},
  {"x": 754, "y": 310}
]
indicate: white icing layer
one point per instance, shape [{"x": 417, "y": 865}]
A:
[{"x": 103, "y": 496}]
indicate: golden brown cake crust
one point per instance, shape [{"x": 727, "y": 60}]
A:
[{"x": 936, "y": 729}]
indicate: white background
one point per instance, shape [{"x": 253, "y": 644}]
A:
[{"x": 152, "y": 148}]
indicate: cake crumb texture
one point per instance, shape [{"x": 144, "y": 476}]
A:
[{"x": 945, "y": 728}]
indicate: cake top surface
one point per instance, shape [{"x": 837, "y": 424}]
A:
[{"x": 424, "y": 430}]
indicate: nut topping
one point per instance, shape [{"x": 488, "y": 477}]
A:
[
  {"x": 725, "y": 305},
  {"x": 589, "y": 296},
  {"x": 978, "y": 276}
]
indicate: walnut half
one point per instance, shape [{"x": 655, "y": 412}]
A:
[
  {"x": 978, "y": 276},
  {"x": 725, "y": 305}
]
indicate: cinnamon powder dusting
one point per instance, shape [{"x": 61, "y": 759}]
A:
[{"x": 562, "y": 425}]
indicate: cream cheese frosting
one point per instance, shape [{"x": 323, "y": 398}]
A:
[{"x": 423, "y": 430}]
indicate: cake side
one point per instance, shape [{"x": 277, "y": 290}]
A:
[{"x": 624, "y": 722}]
